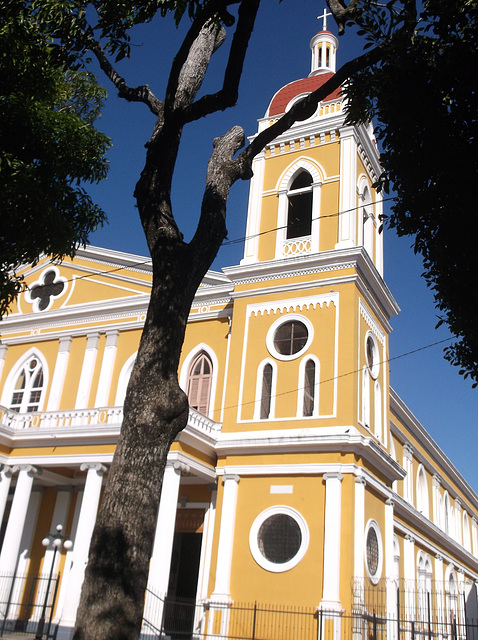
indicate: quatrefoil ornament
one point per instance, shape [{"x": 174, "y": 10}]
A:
[{"x": 42, "y": 293}]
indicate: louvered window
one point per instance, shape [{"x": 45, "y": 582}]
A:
[
  {"x": 28, "y": 387},
  {"x": 199, "y": 383}
]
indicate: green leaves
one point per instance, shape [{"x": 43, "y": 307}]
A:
[
  {"x": 49, "y": 147},
  {"x": 424, "y": 98}
]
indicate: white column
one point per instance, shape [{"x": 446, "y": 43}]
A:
[
  {"x": 109, "y": 356},
  {"x": 16, "y": 521},
  {"x": 436, "y": 500},
  {"x": 251, "y": 245},
  {"x": 390, "y": 571},
  {"x": 348, "y": 189},
  {"x": 59, "y": 374},
  {"x": 332, "y": 540},
  {"x": 458, "y": 521},
  {"x": 409, "y": 574},
  {"x": 359, "y": 531},
  {"x": 81, "y": 545},
  {"x": 461, "y": 590},
  {"x": 87, "y": 370},
  {"x": 160, "y": 564},
  {"x": 5, "y": 481},
  {"x": 226, "y": 537},
  {"x": 14, "y": 531}
]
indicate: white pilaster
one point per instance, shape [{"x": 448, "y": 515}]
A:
[
  {"x": 458, "y": 521},
  {"x": 390, "y": 571},
  {"x": 359, "y": 531},
  {"x": 109, "y": 356},
  {"x": 3, "y": 355},
  {"x": 436, "y": 500},
  {"x": 59, "y": 374},
  {"x": 333, "y": 513},
  {"x": 408, "y": 466},
  {"x": 5, "y": 481},
  {"x": 440, "y": 595},
  {"x": 348, "y": 189},
  {"x": 409, "y": 574},
  {"x": 87, "y": 369},
  {"x": 221, "y": 593},
  {"x": 251, "y": 246},
  {"x": 81, "y": 545}
]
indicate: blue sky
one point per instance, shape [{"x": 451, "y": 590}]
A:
[{"x": 279, "y": 53}]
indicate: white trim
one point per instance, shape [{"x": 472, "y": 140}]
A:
[
  {"x": 14, "y": 372},
  {"x": 254, "y": 532},
  {"x": 123, "y": 379},
  {"x": 301, "y": 387},
  {"x": 278, "y": 323},
  {"x": 259, "y": 383},
  {"x": 183, "y": 376},
  {"x": 374, "y": 578}
]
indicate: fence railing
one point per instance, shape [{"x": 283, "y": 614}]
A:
[
  {"x": 179, "y": 619},
  {"x": 101, "y": 416},
  {"x": 27, "y": 603}
]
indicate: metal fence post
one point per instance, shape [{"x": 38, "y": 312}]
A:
[
  {"x": 254, "y": 621},
  {"x": 4, "y": 622},
  {"x": 398, "y": 613},
  {"x": 374, "y": 626}
]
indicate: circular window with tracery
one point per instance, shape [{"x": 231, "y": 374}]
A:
[
  {"x": 289, "y": 338},
  {"x": 278, "y": 539},
  {"x": 373, "y": 551}
]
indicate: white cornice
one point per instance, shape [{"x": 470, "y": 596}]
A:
[
  {"x": 318, "y": 439},
  {"x": 419, "y": 433},
  {"x": 422, "y": 527}
]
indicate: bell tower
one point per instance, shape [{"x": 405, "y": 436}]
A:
[{"x": 312, "y": 186}]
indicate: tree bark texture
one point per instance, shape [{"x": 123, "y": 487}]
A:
[{"x": 155, "y": 408}]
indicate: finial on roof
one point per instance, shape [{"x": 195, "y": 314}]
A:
[{"x": 324, "y": 18}]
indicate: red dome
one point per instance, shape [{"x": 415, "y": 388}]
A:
[{"x": 282, "y": 98}]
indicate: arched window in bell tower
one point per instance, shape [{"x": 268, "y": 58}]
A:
[
  {"x": 199, "y": 383},
  {"x": 299, "y": 213}
]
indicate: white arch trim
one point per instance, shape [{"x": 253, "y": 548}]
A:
[
  {"x": 14, "y": 372},
  {"x": 188, "y": 360},
  {"x": 123, "y": 380},
  {"x": 302, "y": 163}
]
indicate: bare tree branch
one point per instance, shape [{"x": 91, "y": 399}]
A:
[
  {"x": 342, "y": 12},
  {"x": 227, "y": 96},
  {"x": 132, "y": 94}
]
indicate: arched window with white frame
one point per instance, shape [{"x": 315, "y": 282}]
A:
[
  {"x": 422, "y": 492},
  {"x": 298, "y": 209},
  {"x": 451, "y": 591},
  {"x": 308, "y": 396},
  {"x": 265, "y": 390},
  {"x": 199, "y": 383},
  {"x": 424, "y": 585},
  {"x": 25, "y": 385},
  {"x": 123, "y": 380}
]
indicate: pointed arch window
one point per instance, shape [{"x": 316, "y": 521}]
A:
[
  {"x": 199, "y": 383},
  {"x": 299, "y": 213},
  {"x": 28, "y": 387}
]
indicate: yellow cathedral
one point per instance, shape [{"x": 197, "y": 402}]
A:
[{"x": 303, "y": 499}]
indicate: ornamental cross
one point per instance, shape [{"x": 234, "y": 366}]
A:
[
  {"x": 49, "y": 289},
  {"x": 324, "y": 18}
]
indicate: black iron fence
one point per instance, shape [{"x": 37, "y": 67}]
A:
[
  {"x": 27, "y": 603},
  {"x": 187, "y": 620}
]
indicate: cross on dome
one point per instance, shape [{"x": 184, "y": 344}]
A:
[{"x": 324, "y": 18}]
